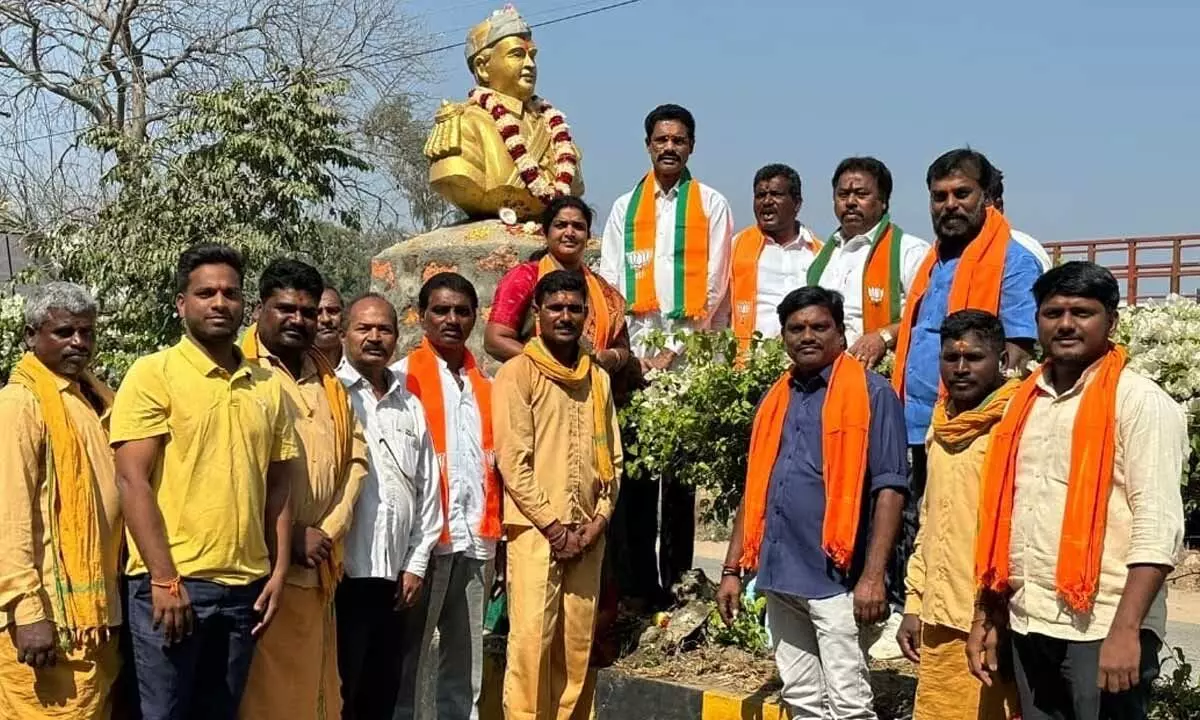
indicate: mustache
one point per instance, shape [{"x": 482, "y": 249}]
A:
[{"x": 668, "y": 154}]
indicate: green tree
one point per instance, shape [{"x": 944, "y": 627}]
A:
[{"x": 258, "y": 166}]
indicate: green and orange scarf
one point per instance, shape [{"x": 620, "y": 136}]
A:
[
  {"x": 845, "y": 427},
  {"x": 689, "y": 254},
  {"x": 881, "y": 287}
]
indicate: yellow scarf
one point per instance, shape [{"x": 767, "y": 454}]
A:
[
  {"x": 343, "y": 423},
  {"x": 583, "y": 372},
  {"x": 79, "y": 595},
  {"x": 961, "y": 430}
]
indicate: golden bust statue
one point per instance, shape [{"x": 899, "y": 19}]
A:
[{"x": 504, "y": 147}]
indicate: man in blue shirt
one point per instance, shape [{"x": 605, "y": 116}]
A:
[
  {"x": 817, "y": 598},
  {"x": 960, "y": 182}
]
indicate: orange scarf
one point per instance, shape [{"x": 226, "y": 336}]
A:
[
  {"x": 425, "y": 381},
  {"x": 330, "y": 572},
  {"x": 977, "y": 283},
  {"x": 689, "y": 255},
  {"x": 1093, "y": 451},
  {"x": 743, "y": 282},
  {"x": 845, "y": 424},
  {"x": 599, "y": 313}
]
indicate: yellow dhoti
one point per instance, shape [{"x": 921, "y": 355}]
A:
[
  {"x": 78, "y": 687},
  {"x": 946, "y": 689},
  {"x": 552, "y": 617},
  {"x": 294, "y": 675}
]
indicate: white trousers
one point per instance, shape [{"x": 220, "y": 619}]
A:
[{"x": 821, "y": 657}]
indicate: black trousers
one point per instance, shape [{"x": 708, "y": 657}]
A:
[
  {"x": 642, "y": 572},
  {"x": 898, "y": 567},
  {"x": 1057, "y": 680},
  {"x": 370, "y": 641}
]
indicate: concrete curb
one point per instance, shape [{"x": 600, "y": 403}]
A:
[{"x": 621, "y": 696}]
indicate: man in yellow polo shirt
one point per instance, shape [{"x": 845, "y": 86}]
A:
[
  {"x": 294, "y": 675},
  {"x": 205, "y": 456}
]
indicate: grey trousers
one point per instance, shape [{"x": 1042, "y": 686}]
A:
[{"x": 452, "y": 602}]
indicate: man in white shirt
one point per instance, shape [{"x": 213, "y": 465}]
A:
[
  {"x": 668, "y": 291},
  {"x": 770, "y": 258},
  {"x": 397, "y": 518},
  {"x": 868, "y": 259},
  {"x": 456, "y": 396},
  {"x": 996, "y": 196}
]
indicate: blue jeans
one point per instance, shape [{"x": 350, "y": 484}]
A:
[{"x": 203, "y": 676}]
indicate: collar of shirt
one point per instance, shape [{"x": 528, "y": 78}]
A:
[
  {"x": 1044, "y": 386},
  {"x": 857, "y": 240},
  {"x": 308, "y": 369},
  {"x": 200, "y": 360},
  {"x": 804, "y": 238},
  {"x": 814, "y": 383},
  {"x": 354, "y": 380},
  {"x": 670, "y": 194}
]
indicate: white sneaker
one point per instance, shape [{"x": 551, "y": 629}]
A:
[{"x": 886, "y": 647}]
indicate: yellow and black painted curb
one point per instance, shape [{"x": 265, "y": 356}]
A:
[{"x": 620, "y": 696}]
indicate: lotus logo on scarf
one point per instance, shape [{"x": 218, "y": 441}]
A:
[
  {"x": 875, "y": 294},
  {"x": 639, "y": 259},
  {"x": 743, "y": 307}
]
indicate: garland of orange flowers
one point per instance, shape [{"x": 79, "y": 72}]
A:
[{"x": 566, "y": 162}]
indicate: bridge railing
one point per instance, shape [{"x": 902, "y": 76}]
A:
[{"x": 1147, "y": 267}]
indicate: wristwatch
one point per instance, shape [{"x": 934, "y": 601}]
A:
[{"x": 888, "y": 338}]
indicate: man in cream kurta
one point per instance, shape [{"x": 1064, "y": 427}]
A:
[
  {"x": 294, "y": 672},
  {"x": 557, "y": 505}
]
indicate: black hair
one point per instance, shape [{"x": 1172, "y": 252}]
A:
[
  {"x": 966, "y": 161},
  {"x": 995, "y": 190},
  {"x": 559, "y": 281},
  {"x": 801, "y": 298},
  {"x": 288, "y": 274},
  {"x": 871, "y": 166},
  {"x": 447, "y": 281},
  {"x": 371, "y": 296},
  {"x": 1079, "y": 278},
  {"x": 667, "y": 112},
  {"x": 206, "y": 254},
  {"x": 774, "y": 170},
  {"x": 558, "y": 204},
  {"x": 987, "y": 326}
]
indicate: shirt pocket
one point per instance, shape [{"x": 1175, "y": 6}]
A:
[{"x": 399, "y": 446}]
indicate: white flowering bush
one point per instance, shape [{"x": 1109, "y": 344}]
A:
[
  {"x": 693, "y": 424},
  {"x": 1163, "y": 338},
  {"x": 12, "y": 322}
]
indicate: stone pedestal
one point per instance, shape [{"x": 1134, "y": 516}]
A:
[{"x": 481, "y": 251}]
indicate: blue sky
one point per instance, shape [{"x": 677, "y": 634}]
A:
[{"x": 1092, "y": 109}]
